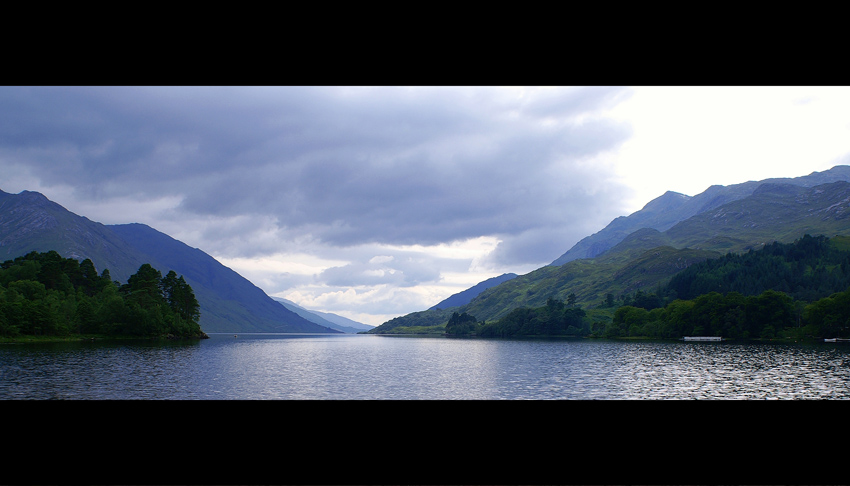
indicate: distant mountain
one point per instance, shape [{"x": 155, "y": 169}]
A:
[
  {"x": 327, "y": 319},
  {"x": 649, "y": 257},
  {"x": 229, "y": 303},
  {"x": 463, "y": 298},
  {"x": 671, "y": 207},
  {"x": 343, "y": 323}
]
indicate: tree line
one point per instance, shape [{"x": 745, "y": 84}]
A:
[
  {"x": 808, "y": 269},
  {"x": 46, "y": 294},
  {"x": 784, "y": 290},
  {"x": 556, "y": 318}
]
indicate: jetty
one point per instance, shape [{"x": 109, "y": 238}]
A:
[{"x": 702, "y": 338}]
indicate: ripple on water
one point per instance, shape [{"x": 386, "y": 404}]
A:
[{"x": 380, "y": 367}]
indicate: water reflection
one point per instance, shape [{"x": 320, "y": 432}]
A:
[
  {"x": 366, "y": 367},
  {"x": 731, "y": 371}
]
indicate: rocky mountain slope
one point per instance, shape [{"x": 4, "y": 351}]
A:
[
  {"x": 671, "y": 207},
  {"x": 229, "y": 302}
]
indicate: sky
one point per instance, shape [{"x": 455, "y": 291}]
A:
[{"x": 374, "y": 202}]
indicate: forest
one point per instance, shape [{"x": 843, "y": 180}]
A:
[
  {"x": 784, "y": 290},
  {"x": 44, "y": 294},
  {"x": 555, "y": 318}
]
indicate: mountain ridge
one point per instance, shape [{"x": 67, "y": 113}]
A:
[
  {"x": 29, "y": 221},
  {"x": 671, "y": 207}
]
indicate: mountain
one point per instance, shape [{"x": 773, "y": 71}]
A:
[
  {"x": 774, "y": 212},
  {"x": 648, "y": 257},
  {"x": 333, "y": 321},
  {"x": 232, "y": 302},
  {"x": 31, "y": 222},
  {"x": 343, "y": 323},
  {"x": 671, "y": 207},
  {"x": 229, "y": 302},
  {"x": 463, "y": 297}
]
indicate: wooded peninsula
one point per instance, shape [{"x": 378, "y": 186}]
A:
[{"x": 46, "y": 295}]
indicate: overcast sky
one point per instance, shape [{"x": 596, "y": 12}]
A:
[{"x": 374, "y": 202}]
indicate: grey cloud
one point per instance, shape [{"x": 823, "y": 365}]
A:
[
  {"x": 349, "y": 166},
  {"x": 355, "y": 274},
  {"x": 396, "y": 268},
  {"x": 575, "y": 101}
]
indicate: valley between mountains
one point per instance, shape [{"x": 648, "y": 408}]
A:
[{"x": 634, "y": 255}]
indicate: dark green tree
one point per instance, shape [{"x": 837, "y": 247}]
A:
[
  {"x": 180, "y": 297},
  {"x": 89, "y": 280},
  {"x": 461, "y": 324},
  {"x": 45, "y": 294},
  {"x": 646, "y": 301},
  {"x": 144, "y": 287}
]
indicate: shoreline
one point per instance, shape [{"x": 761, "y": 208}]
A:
[{"x": 77, "y": 338}]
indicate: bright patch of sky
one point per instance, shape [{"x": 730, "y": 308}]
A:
[{"x": 686, "y": 139}]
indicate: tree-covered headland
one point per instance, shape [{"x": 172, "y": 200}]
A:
[{"x": 44, "y": 294}]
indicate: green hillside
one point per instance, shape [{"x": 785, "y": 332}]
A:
[
  {"x": 647, "y": 259},
  {"x": 793, "y": 291}
]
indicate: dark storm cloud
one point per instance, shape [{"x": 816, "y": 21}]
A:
[{"x": 346, "y": 165}]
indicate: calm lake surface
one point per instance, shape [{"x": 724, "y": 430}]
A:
[{"x": 372, "y": 367}]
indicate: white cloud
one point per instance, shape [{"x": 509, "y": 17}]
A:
[{"x": 381, "y": 259}]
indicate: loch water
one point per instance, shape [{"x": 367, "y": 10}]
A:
[{"x": 380, "y": 367}]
